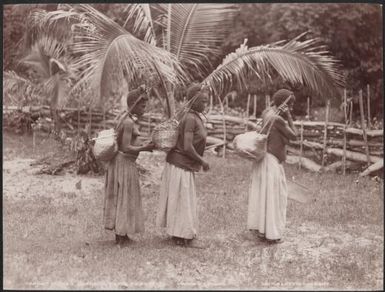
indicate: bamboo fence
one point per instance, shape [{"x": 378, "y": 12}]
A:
[{"x": 317, "y": 139}]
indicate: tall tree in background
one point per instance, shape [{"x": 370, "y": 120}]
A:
[
  {"x": 192, "y": 32},
  {"x": 352, "y": 32},
  {"x": 14, "y": 26},
  {"x": 185, "y": 38}
]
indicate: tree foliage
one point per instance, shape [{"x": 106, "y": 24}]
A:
[{"x": 352, "y": 33}]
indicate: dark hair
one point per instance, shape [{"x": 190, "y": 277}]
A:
[
  {"x": 134, "y": 96},
  {"x": 192, "y": 90},
  {"x": 281, "y": 95}
]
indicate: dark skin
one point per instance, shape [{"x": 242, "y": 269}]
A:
[
  {"x": 198, "y": 106},
  {"x": 129, "y": 140},
  {"x": 288, "y": 130},
  {"x": 285, "y": 110},
  {"x": 130, "y": 128}
]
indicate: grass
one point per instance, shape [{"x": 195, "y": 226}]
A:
[{"x": 54, "y": 236}]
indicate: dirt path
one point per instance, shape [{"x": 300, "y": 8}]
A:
[{"x": 53, "y": 238}]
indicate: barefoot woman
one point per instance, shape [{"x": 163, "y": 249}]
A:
[
  {"x": 268, "y": 189},
  {"x": 122, "y": 204},
  {"x": 178, "y": 203}
]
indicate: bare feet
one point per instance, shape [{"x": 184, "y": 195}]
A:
[
  {"x": 179, "y": 241},
  {"x": 263, "y": 237},
  {"x": 195, "y": 243},
  {"x": 122, "y": 239},
  {"x": 260, "y": 235},
  {"x": 192, "y": 243},
  {"x": 274, "y": 241}
]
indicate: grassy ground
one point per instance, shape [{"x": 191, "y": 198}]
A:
[{"x": 54, "y": 237}]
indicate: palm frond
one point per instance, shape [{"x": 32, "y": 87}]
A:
[
  {"x": 12, "y": 81},
  {"x": 57, "y": 88},
  {"x": 195, "y": 32},
  {"x": 109, "y": 53},
  {"x": 16, "y": 89},
  {"x": 45, "y": 54},
  {"x": 299, "y": 62},
  {"x": 143, "y": 22},
  {"x": 54, "y": 25},
  {"x": 47, "y": 57},
  {"x": 168, "y": 35}
]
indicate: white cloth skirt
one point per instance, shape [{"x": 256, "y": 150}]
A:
[
  {"x": 267, "y": 198},
  {"x": 177, "y": 210}
]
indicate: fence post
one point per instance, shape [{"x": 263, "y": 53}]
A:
[
  {"x": 224, "y": 128},
  {"x": 345, "y": 124},
  {"x": 149, "y": 125},
  {"x": 90, "y": 119},
  {"x": 325, "y": 133},
  {"x": 267, "y": 101},
  {"x": 247, "y": 111},
  {"x": 211, "y": 103},
  {"x": 104, "y": 118},
  {"x": 301, "y": 146},
  {"x": 33, "y": 140},
  {"x": 308, "y": 109},
  {"x": 78, "y": 117},
  {"x": 351, "y": 113},
  {"x": 364, "y": 127},
  {"x": 368, "y": 99},
  {"x": 255, "y": 106}
]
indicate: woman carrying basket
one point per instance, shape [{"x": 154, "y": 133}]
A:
[
  {"x": 178, "y": 203},
  {"x": 122, "y": 203},
  {"x": 268, "y": 189}
]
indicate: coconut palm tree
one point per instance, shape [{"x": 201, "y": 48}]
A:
[
  {"x": 192, "y": 32},
  {"x": 48, "y": 59},
  {"x": 105, "y": 54},
  {"x": 299, "y": 62},
  {"x": 178, "y": 43}
]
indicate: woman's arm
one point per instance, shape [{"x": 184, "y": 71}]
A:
[
  {"x": 288, "y": 131},
  {"x": 291, "y": 124},
  {"x": 188, "y": 142},
  {"x": 128, "y": 129}
]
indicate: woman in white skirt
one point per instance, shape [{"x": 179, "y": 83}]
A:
[
  {"x": 178, "y": 202},
  {"x": 268, "y": 188}
]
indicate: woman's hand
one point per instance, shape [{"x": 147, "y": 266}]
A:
[
  {"x": 149, "y": 147},
  {"x": 205, "y": 166},
  {"x": 284, "y": 109},
  {"x": 248, "y": 154}
]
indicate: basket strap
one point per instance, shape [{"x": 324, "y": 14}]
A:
[
  {"x": 186, "y": 106},
  {"x": 121, "y": 119},
  {"x": 270, "y": 126},
  {"x": 136, "y": 101},
  {"x": 118, "y": 128},
  {"x": 270, "y": 121}
]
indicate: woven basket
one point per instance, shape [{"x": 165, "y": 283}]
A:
[
  {"x": 105, "y": 147},
  {"x": 251, "y": 145},
  {"x": 165, "y": 135}
]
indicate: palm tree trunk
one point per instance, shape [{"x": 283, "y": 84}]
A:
[
  {"x": 56, "y": 120},
  {"x": 53, "y": 108},
  {"x": 168, "y": 90},
  {"x": 170, "y": 102}
]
